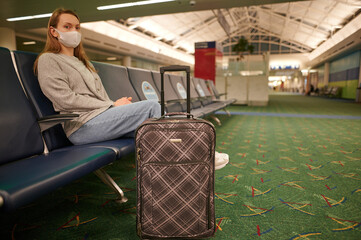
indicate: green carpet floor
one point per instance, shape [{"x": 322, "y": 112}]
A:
[
  {"x": 288, "y": 178},
  {"x": 299, "y": 104}
]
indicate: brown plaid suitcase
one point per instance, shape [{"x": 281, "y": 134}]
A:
[{"x": 175, "y": 174}]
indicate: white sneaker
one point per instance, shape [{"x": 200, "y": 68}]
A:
[{"x": 221, "y": 160}]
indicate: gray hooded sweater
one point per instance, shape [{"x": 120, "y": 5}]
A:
[{"x": 72, "y": 88}]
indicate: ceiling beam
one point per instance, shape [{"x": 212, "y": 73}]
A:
[
  {"x": 277, "y": 43},
  {"x": 334, "y": 4},
  {"x": 236, "y": 33},
  {"x": 88, "y": 12},
  {"x": 299, "y": 23},
  {"x": 269, "y": 33},
  {"x": 302, "y": 22},
  {"x": 218, "y": 20},
  {"x": 346, "y": 2},
  {"x": 195, "y": 29},
  {"x": 266, "y": 33},
  {"x": 285, "y": 22}
]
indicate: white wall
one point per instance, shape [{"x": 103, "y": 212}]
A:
[
  {"x": 257, "y": 90},
  {"x": 251, "y": 90}
]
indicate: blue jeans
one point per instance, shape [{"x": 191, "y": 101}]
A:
[{"x": 115, "y": 122}]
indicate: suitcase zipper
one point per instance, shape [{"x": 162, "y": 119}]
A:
[
  {"x": 139, "y": 221},
  {"x": 138, "y": 153},
  {"x": 139, "y": 230},
  {"x": 209, "y": 211},
  {"x": 196, "y": 120}
]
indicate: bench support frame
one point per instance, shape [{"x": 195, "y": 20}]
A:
[
  {"x": 216, "y": 119},
  {"x": 110, "y": 182}
]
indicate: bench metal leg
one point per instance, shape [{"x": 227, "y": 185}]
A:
[
  {"x": 228, "y": 112},
  {"x": 216, "y": 119},
  {"x": 110, "y": 182}
]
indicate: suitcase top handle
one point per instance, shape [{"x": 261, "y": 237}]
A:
[
  {"x": 175, "y": 68},
  {"x": 179, "y": 114}
]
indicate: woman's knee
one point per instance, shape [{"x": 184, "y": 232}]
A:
[{"x": 154, "y": 108}]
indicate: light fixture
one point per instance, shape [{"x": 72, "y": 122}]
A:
[
  {"x": 122, "y": 33},
  {"x": 337, "y": 27},
  {"x": 45, "y": 15},
  {"x": 274, "y": 78},
  {"x": 155, "y": 49},
  {"x": 111, "y": 58},
  {"x": 133, "y": 26},
  {"x": 132, "y": 4},
  {"x": 251, "y": 73},
  {"x": 29, "y": 43}
]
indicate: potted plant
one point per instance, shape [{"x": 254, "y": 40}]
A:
[{"x": 242, "y": 46}]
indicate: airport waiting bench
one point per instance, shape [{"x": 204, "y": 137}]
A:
[
  {"x": 26, "y": 170},
  {"x": 175, "y": 92},
  {"x": 328, "y": 91},
  {"x": 36, "y": 156}
]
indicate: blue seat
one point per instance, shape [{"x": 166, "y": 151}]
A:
[
  {"x": 216, "y": 95},
  {"x": 116, "y": 81},
  {"x": 26, "y": 173},
  {"x": 179, "y": 85},
  {"x": 170, "y": 96},
  {"x": 143, "y": 82},
  {"x": 200, "y": 94},
  {"x": 55, "y": 136},
  {"x": 203, "y": 89},
  {"x": 204, "y": 101},
  {"x": 26, "y": 179},
  {"x": 209, "y": 105},
  {"x": 171, "y": 81}
]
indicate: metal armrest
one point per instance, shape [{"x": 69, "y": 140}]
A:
[
  {"x": 219, "y": 95},
  {"x": 52, "y": 120}
]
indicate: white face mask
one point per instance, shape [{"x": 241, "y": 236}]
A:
[{"x": 69, "y": 39}]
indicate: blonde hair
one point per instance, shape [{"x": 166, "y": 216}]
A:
[{"x": 52, "y": 45}]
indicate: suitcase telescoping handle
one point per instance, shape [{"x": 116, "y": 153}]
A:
[{"x": 176, "y": 68}]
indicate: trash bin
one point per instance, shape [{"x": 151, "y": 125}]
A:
[{"x": 358, "y": 94}]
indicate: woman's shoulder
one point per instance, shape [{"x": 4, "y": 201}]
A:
[
  {"x": 48, "y": 57},
  {"x": 49, "y": 61}
]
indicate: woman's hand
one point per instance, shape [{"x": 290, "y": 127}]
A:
[{"x": 123, "y": 101}]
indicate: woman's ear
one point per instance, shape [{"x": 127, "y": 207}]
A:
[{"x": 53, "y": 32}]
